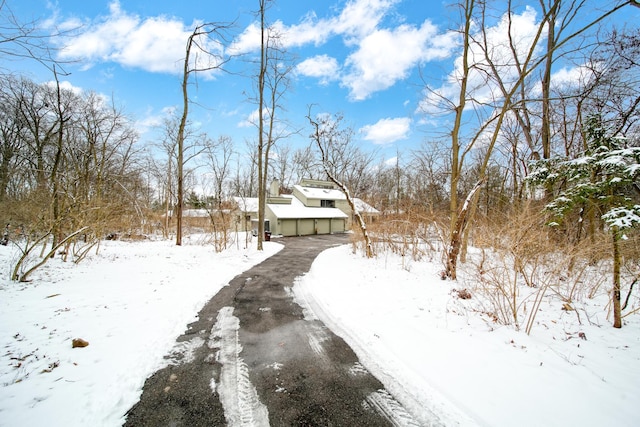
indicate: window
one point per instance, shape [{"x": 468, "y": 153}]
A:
[{"x": 328, "y": 203}]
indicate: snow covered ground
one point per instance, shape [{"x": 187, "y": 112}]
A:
[
  {"x": 434, "y": 352},
  {"x": 437, "y": 353},
  {"x": 130, "y": 303}
]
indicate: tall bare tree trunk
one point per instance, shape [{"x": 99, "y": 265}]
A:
[
  {"x": 615, "y": 293},
  {"x": 56, "y": 226},
  {"x": 168, "y": 200},
  {"x": 546, "y": 82},
  {"x": 457, "y": 124},
  {"x": 261, "y": 160},
  {"x": 202, "y": 30},
  {"x": 180, "y": 142},
  {"x": 361, "y": 224},
  {"x": 319, "y": 136}
]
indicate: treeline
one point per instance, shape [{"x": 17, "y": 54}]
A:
[{"x": 68, "y": 160}]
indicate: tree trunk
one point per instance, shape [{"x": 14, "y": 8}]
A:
[
  {"x": 456, "y": 166},
  {"x": 457, "y": 233},
  {"x": 180, "y": 142},
  {"x": 617, "y": 315},
  {"x": 356, "y": 213},
  {"x": 56, "y": 225},
  {"x": 262, "y": 170}
]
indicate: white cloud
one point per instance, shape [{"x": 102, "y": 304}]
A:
[
  {"x": 381, "y": 57},
  {"x": 378, "y": 59},
  {"x": 567, "y": 78},
  {"x": 481, "y": 87},
  {"x": 357, "y": 19},
  {"x": 577, "y": 76},
  {"x": 309, "y": 31},
  {"x": 154, "y": 120},
  {"x": 250, "y": 120},
  {"x": 386, "y": 56},
  {"x": 66, "y": 85},
  {"x": 322, "y": 67},
  {"x": 360, "y": 18},
  {"x": 246, "y": 42},
  {"x": 155, "y": 44},
  {"x": 391, "y": 162},
  {"x": 386, "y": 131}
]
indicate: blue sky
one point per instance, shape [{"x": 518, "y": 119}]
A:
[{"x": 361, "y": 58}]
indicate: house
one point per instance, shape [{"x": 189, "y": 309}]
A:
[
  {"x": 191, "y": 217},
  {"x": 314, "y": 207},
  {"x": 289, "y": 216},
  {"x": 368, "y": 212},
  {"x": 246, "y": 213},
  {"x": 203, "y": 219}
]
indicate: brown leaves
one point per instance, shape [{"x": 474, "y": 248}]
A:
[
  {"x": 463, "y": 293},
  {"x": 79, "y": 342}
]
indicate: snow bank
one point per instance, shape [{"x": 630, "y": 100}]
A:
[
  {"x": 438, "y": 355},
  {"x": 130, "y": 302}
]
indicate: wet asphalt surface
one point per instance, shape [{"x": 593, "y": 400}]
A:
[{"x": 303, "y": 373}]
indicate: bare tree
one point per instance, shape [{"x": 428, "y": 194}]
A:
[
  {"x": 305, "y": 164},
  {"x": 282, "y": 166},
  {"x": 273, "y": 82},
  {"x": 199, "y": 44},
  {"x": 10, "y": 133},
  {"x": 334, "y": 146},
  {"x": 63, "y": 115},
  {"x": 27, "y": 40},
  {"x": 493, "y": 76},
  {"x": 218, "y": 157},
  {"x": 244, "y": 180},
  {"x": 430, "y": 175},
  {"x": 78, "y": 169}
]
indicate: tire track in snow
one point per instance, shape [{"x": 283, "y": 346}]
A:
[
  {"x": 317, "y": 336},
  {"x": 238, "y": 396},
  {"x": 388, "y": 407},
  {"x": 383, "y": 402}
]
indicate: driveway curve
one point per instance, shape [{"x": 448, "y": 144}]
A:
[{"x": 253, "y": 359}]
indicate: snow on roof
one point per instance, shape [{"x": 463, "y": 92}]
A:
[
  {"x": 195, "y": 213},
  {"x": 298, "y": 210},
  {"x": 320, "y": 193},
  {"x": 247, "y": 204},
  {"x": 365, "y": 207}
]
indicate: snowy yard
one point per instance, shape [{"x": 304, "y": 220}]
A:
[{"x": 435, "y": 352}]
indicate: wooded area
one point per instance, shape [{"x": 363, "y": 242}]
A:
[{"x": 548, "y": 168}]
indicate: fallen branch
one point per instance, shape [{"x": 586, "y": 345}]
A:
[
  {"x": 23, "y": 277},
  {"x": 626, "y": 300}
]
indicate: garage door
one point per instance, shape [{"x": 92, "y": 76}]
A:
[
  {"x": 324, "y": 226},
  {"x": 337, "y": 225},
  {"x": 288, "y": 227},
  {"x": 306, "y": 227}
]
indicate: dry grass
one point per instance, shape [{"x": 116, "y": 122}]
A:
[
  {"x": 515, "y": 261},
  {"x": 411, "y": 236},
  {"x": 520, "y": 262}
]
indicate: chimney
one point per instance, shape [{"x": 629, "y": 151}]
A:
[{"x": 274, "y": 189}]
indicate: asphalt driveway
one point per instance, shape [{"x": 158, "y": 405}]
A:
[{"x": 252, "y": 359}]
